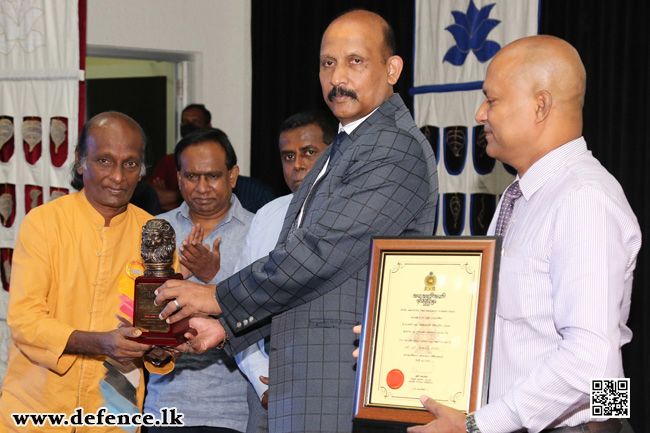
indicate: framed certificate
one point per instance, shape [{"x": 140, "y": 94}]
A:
[{"x": 427, "y": 327}]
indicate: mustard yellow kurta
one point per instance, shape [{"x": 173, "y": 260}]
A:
[{"x": 70, "y": 273}]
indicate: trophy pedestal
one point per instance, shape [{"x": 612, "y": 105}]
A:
[{"x": 145, "y": 315}]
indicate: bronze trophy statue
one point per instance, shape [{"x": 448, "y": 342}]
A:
[{"x": 158, "y": 246}]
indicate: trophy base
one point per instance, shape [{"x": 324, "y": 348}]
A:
[
  {"x": 174, "y": 337},
  {"x": 156, "y": 332}
]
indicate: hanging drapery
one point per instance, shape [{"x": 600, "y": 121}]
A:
[
  {"x": 454, "y": 42},
  {"x": 39, "y": 116}
]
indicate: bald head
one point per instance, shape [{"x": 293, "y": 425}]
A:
[
  {"x": 362, "y": 17},
  {"x": 535, "y": 90},
  {"x": 107, "y": 118},
  {"x": 547, "y": 63},
  {"x": 104, "y": 120}
]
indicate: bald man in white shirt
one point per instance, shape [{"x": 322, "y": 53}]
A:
[{"x": 569, "y": 251}]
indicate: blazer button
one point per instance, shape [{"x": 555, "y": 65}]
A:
[{"x": 239, "y": 324}]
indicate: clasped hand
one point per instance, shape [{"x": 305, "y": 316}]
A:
[
  {"x": 157, "y": 355},
  {"x": 197, "y": 259},
  {"x": 209, "y": 333}
]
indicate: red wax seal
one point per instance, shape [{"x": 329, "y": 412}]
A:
[{"x": 395, "y": 379}]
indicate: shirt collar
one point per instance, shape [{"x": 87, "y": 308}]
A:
[
  {"x": 546, "y": 167},
  {"x": 236, "y": 211},
  {"x": 350, "y": 127}
]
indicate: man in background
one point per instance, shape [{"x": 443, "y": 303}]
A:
[
  {"x": 164, "y": 177},
  {"x": 252, "y": 193},
  {"x": 208, "y": 389},
  {"x": 303, "y": 137}
]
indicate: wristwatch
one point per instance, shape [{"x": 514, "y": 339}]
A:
[{"x": 470, "y": 424}]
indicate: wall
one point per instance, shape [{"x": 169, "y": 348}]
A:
[{"x": 215, "y": 33}]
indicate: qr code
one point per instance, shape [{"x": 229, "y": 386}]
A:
[{"x": 610, "y": 398}]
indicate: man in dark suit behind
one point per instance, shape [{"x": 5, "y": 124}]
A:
[{"x": 379, "y": 178}]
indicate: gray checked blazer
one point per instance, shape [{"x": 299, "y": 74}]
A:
[{"x": 309, "y": 292}]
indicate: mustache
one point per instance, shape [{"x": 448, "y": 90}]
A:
[{"x": 340, "y": 91}]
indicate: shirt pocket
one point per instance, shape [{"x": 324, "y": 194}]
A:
[{"x": 524, "y": 290}]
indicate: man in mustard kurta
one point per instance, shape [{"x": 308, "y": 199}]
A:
[{"x": 72, "y": 279}]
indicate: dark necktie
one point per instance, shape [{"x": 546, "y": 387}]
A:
[
  {"x": 337, "y": 142},
  {"x": 333, "y": 148},
  {"x": 511, "y": 195}
]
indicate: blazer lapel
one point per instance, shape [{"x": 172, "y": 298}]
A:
[
  {"x": 387, "y": 109},
  {"x": 301, "y": 194}
]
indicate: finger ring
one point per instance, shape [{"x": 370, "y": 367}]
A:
[
  {"x": 189, "y": 346},
  {"x": 178, "y": 307}
]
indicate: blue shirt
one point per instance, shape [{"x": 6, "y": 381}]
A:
[
  {"x": 260, "y": 240},
  {"x": 208, "y": 389}
]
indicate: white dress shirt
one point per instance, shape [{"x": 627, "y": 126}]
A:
[
  {"x": 260, "y": 240},
  {"x": 564, "y": 293},
  {"x": 349, "y": 129}
]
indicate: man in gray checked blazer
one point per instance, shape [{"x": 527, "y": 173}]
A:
[{"x": 378, "y": 178}]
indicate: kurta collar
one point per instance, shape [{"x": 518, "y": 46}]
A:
[{"x": 97, "y": 219}]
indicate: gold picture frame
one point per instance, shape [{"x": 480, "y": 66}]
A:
[{"x": 427, "y": 327}]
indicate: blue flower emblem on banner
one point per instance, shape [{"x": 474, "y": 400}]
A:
[{"x": 470, "y": 33}]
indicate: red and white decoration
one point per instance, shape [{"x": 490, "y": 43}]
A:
[{"x": 41, "y": 58}]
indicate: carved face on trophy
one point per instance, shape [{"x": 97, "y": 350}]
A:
[{"x": 158, "y": 245}]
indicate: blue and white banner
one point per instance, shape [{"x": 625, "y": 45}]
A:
[{"x": 454, "y": 43}]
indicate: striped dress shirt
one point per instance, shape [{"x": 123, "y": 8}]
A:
[{"x": 564, "y": 293}]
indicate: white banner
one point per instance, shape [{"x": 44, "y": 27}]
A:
[
  {"x": 39, "y": 84},
  {"x": 454, "y": 42},
  {"x": 39, "y": 112}
]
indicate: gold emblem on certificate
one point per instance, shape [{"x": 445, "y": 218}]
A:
[
  {"x": 426, "y": 339},
  {"x": 430, "y": 282}
]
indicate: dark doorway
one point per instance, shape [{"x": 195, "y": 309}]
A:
[{"x": 142, "y": 98}]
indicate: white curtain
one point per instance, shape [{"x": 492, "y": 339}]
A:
[
  {"x": 39, "y": 112},
  {"x": 454, "y": 42}
]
